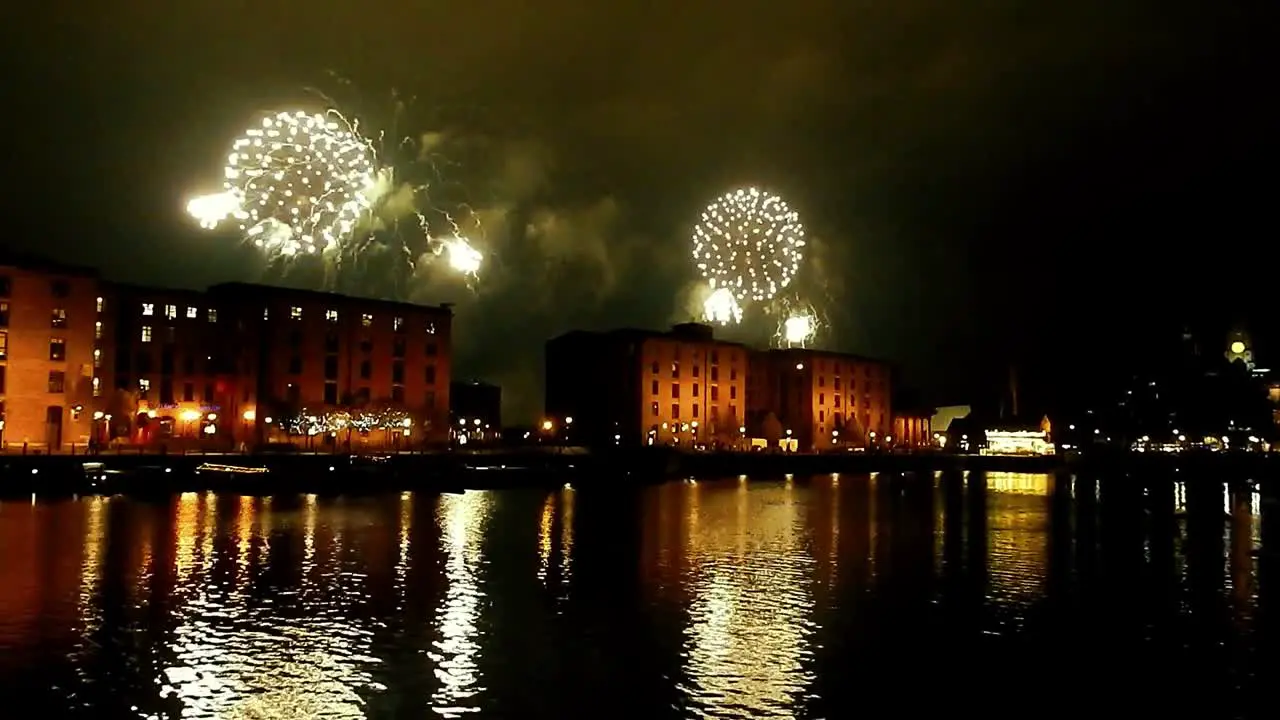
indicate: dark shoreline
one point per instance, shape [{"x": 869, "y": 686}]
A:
[{"x": 455, "y": 472}]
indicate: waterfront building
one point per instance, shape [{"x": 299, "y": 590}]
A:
[
  {"x": 159, "y": 367},
  {"x": 475, "y": 411},
  {"x": 820, "y": 400},
  {"x": 912, "y": 428},
  {"x": 323, "y": 369},
  {"x": 681, "y": 388},
  {"x": 47, "y": 315}
]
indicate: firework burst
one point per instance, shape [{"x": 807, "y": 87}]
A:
[{"x": 749, "y": 243}]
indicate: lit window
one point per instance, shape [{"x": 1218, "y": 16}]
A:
[
  {"x": 57, "y": 349},
  {"x": 266, "y": 313},
  {"x": 144, "y": 385},
  {"x": 431, "y": 328},
  {"x": 171, "y": 311},
  {"x": 213, "y": 315},
  {"x": 366, "y": 319},
  {"x": 100, "y": 305},
  {"x": 192, "y": 312},
  {"x": 331, "y": 315},
  {"x": 59, "y": 318},
  {"x": 97, "y": 330},
  {"x": 397, "y": 324},
  {"x": 295, "y": 313},
  {"x": 148, "y": 309},
  {"x": 97, "y": 357},
  {"x": 146, "y": 333},
  {"x": 97, "y": 386}
]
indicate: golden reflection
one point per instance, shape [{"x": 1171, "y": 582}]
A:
[
  {"x": 566, "y": 533},
  {"x": 406, "y": 527},
  {"x": 747, "y": 569},
  {"x": 95, "y": 545},
  {"x": 462, "y": 520},
  {"x": 545, "y": 525},
  {"x": 1017, "y": 536},
  {"x": 233, "y": 655}
]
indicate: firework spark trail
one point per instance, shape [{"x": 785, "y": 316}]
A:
[{"x": 798, "y": 323}]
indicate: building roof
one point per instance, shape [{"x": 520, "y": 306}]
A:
[
  {"x": 682, "y": 331},
  {"x": 815, "y": 352},
  {"x": 259, "y": 290},
  {"x": 136, "y": 289}
]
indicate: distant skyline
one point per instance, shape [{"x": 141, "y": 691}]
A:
[{"x": 985, "y": 184}]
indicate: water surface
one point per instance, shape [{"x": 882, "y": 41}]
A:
[{"x": 833, "y": 596}]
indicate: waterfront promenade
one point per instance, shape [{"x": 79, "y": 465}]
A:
[{"x": 265, "y": 474}]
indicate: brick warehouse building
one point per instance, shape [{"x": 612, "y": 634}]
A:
[
  {"x": 682, "y": 387},
  {"x": 827, "y": 400},
  {"x": 235, "y": 366},
  {"x": 47, "y": 315}
]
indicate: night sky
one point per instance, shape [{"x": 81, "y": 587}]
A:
[{"x": 1046, "y": 183}]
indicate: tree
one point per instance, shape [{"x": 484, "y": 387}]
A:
[
  {"x": 725, "y": 429},
  {"x": 771, "y": 429}
]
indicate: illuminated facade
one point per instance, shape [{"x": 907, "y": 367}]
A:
[
  {"x": 681, "y": 388},
  {"x": 912, "y": 429},
  {"x": 160, "y": 370},
  {"x": 823, "y": 400},
  {"x": 323, "y": 368},
  {"x": 46, "y": 356}
]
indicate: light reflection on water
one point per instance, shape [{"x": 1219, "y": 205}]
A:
[{"x": 751, "y": 599}]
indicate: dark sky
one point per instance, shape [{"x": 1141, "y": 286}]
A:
[{"x": 1041, "y": 182}]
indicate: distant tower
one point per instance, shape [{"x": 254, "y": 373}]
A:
[{"x": 1239, "y": 349}]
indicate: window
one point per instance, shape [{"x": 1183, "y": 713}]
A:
[
  {"x": 653, "y": 409},
  {"x": 398, "y": 347},
  {"x": 733, "y": 392},
  {"x": 715, "y": 356},
  {"x": 331, "y": 393},
  {"x": 266, "y": 313},
  {"x": 431, "y": 349},
  {"x": 4, "y": 314},
  {"x": 397, "y": 324},
  {"x": 57, "y": 349},
  {"x": 4, "y": 345},
  {"x": 715, "y": 374},
  {"x": 431, "y": 328},
  {"x": 166, "y": 391},
  {"x": 653, "y": 387},
  {"x": 100, "y": 303},
  {"x": 97, "y": 330},
  {"x": 192, "y": 312},
  {"x": 431, "y": 374},
  {"x": 675, "y": 391},
  {"x": 57, "y": 381},
  {"x": 331, "y": 343},
  {"x": 695, "y": 409},
  {"x": 366, "y": 320},
  {"x": 295, "y": 365},
  {"x": 733, "y": 373},
  {"x": 148, "y": 309},
  {"x": 695, "y": 389},
  {"x": 695, "y": 370},
  {"x": 146, "y": 333},
  {"x": 58, "y": 318},
  {"x": 331, "y": 316},
  {"x": 144, "y": 386},
  {"x": 213, "y": 315},
  {"x": 431, "y": 401},
  {"x": 6, "y": 286},
  {"x": 822, "y": 398},
  {"x": 171, "y": 311},
  {"x": 675, "y": 412},
  {"x": 188, "y": 392},
  {"x": 97, "y": 386},
  {"x": 675, "y": 370},
  {"x": 208, "y": 392},
  {"x": 97, "y": 357},
  {"x": 295, "y": 313},
  {"x": 715, "y": 393},
  {"x": 60, "y": 288},
  {"x": 170, "y": 334},
  {"x": 397, "y": 373},
  {"x": 397, "y": 393},
  {"x": 3, "y": 369},
  {"x": 331, "y": 367},
  {"x": 366, "y": 369},
  {"x": 654, "y": 368}
]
